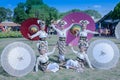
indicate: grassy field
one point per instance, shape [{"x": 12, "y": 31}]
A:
[{"x": 64, "y": 74}]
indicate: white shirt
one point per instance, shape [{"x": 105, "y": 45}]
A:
[
  {"x": 79, "y": 54},
  {"x": 85, "y": 32},
  {"x": 71, "y": 63},
  {"x": 44, "y": 58},
  {"x": 82, "y": 56},
  {"x": 61, "y": 33},
  {"x": 41, "y": 34}
]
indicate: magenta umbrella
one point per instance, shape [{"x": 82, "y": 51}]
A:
[{"x": 75, "y": 17}]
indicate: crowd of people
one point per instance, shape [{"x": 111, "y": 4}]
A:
[{"x": 76, "y": 64}]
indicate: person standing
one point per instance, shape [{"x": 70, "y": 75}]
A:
[
  {"x": 42, "y": 35},
  {"x": 62, "y": 33},
  {"x": 83, "y": 33}
]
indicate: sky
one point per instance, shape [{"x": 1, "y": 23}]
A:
[{"x": 102, "y": 6}]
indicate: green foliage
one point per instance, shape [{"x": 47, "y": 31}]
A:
[
  {"x": 61, "y": 15},
  {"x": 34, "y": 8},
  {"x": 9, "y": 14},
  {"x": 94, "y": 13},
  {"x": 116, "y": 12},
  {"x": 29, "y": 4},
  {"x": 10, "y": 34},
  {"x": 19, "y": 13},
  {"x": 5, "y": 13}
]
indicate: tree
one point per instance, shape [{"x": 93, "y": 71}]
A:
[
  {"x": 61, "y": 15},
  {"x": 116, "y": 12},
  {"x": 19, "y": 13},
  {"x": 9, "y": 14},
  {"x": 29, "y": 4},
  {"x": 3, "y": 14},
  {"x": 34, "y": 8},
  {"x": 44, "y": 12},
  {"x": 93, "y": 13},
  {"x": 89, "y": 12}
]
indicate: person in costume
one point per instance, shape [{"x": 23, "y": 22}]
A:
[
  {"x": 43, "y": 61},
  {"x": 83, "y": 33},
  {"x": 82, "y": 57},
  {"x": 42, "y": 35},
  {"x": 62, "y": 33}
]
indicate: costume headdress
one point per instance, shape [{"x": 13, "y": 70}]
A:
[
  {"x": 41, "y": 23},
  {"x": 84, "y": 22}
]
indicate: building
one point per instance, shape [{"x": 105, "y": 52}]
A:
[
  {"x": 107, "y": 25},
  {"x": 8, "y": 25}
]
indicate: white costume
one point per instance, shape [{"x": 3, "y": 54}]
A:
[
  {"x": 42, "y": 42},
  {"x": 74, "y": 64},
  {"x": 41, "y": 34},
  {"x": 61, "y": 43},
  {"x": 85, "y": 32},
  {"x": 61, "y": 33},
  {"x": 43, "y": 61},
  {"x": 71, "y": 63},
  {"x": 83, "y": 37},
  {"x": 82, "y": 56}
]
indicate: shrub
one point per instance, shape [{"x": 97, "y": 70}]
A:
[{"x": 10, "y": 34}]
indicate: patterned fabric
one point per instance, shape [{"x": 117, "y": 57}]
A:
[
  {"x": 43, "y": 66},
  {"x": 83, "y": 38},
  {"x": 61, "y": 38},
  {"x": 61, "y": 47},
  {"x": 83, "y": 42},
  {"x": 43, "y": 39}
]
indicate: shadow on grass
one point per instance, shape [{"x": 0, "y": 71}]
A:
[{"x": 2, "y": 72}]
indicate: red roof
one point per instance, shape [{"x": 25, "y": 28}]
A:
[{"x": 6, "y": 23}]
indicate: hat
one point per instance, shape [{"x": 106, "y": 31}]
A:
[
  {"x": 84, "y": 22},
  {"x": 61, "y": 22},
  {"x": 52, "y": 21},
  {"x": 83, "y": 45},
  {"x": 41, "y": 23}
]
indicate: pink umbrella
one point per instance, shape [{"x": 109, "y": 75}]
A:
[{"x": 76, "y": 17}]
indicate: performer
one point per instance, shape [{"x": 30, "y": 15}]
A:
[
  {"x": 82, "y": 56},
  {"x": 43, "y": 61},
  {"x": 42, "y": 34},
  {"x": 83, "y": 33},
  {"x": 62, "y": 36}
]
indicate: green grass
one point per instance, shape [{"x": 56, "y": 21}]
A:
[{"x": 64, "y": 74}]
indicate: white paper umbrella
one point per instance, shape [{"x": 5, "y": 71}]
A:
[
  {"x": 103, "y": 54},
  {"x": 117, "y": 31},
  {"x": 18, "y": 59}
]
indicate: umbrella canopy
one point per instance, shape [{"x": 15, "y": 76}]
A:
[
  {"x": 117, "y": 31},
  {"x": 103, "y": 54},
  {"x": 75, "y": 18},
  {"x": 18, "y": 59},
  {"x": 30, "y": 26}
]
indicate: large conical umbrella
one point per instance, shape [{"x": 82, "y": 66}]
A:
[
  {"x": 30, "y": 26},
  {"x": 18, "y": 59},
  {"x": 117, "y": 31},
  {"x": 103, "y": 54},
  {"x": 75, "y": 18}
]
